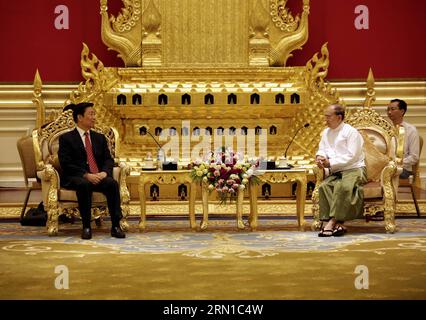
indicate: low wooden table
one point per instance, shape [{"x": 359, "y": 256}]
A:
[
  {"x": 166, "y": 177},
  {"x": 300, "y": 176}
]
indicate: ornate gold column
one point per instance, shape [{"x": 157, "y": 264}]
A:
[
  {"x": 259, "y": 45},
  {"x": 151, "y": 41}
]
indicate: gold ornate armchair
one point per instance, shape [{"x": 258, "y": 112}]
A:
[
  {"x": 58, "y": 200},
  {"x": 383, "y": 154}
]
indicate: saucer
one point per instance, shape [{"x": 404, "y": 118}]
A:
[
  {"x": 149, "y": 168},
  {"x": 284, "y": 168}
]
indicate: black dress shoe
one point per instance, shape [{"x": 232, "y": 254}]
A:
[
  {"x": 116, "y": 232},
  {"x": 86, "y": 234}
]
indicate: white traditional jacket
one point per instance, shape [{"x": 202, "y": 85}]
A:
[{"x": 343, "y": 148}]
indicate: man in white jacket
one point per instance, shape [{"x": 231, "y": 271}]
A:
[{"x": 340, "y": 153}]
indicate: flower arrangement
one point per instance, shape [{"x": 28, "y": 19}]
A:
[{"x": 227, "y": 174}]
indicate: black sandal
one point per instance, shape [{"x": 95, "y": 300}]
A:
[
  {"x": 325, "y": 233},
  {"x": 322, "y": 224},
  {"x": 338, "y": 231}
]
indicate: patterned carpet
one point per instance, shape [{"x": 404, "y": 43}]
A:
[{"x": 169, "y": 261}]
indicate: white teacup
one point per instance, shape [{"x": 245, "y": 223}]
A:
[
  {"x": 282, "y": 162},
  {"x": 149, "y": 163}
]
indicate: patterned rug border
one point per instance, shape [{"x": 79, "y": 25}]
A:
[
  {"x": 173, "y": 208},
  {"x": 222, "y": 239}
]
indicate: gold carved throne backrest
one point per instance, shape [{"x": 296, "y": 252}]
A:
[
  {"x": 380, "y": 140},
  {"x": 381, "y": 132},
  {"x": 46, "y": 139}
]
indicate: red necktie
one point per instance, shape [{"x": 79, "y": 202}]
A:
[{"x": 93, "y": 167}]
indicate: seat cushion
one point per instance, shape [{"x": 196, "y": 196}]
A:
[
  {"x": 375, "y": 160},
  {"x": 373, "y": 190},
  {"x": 70, "y": 195}
]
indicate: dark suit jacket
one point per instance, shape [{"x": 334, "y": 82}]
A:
[{"x": 73, "y": 157}]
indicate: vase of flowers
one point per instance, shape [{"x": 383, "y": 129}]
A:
[{"x": 226, "y": 173}]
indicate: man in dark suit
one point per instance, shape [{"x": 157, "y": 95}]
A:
[{"x": 86, "y": 165}]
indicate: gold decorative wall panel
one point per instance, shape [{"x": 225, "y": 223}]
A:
[
  {"x": 205, "y": 33},
  {"x": 211, "y": 33}
]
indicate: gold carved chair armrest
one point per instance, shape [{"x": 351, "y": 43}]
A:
[
  {"x": 388, "y": 178},
  {"x": 123, "y": 172},
  {"x": 120, "y": 174},
  {"x": 400, "y": 145},
  {"x": 50, "y": 181}
]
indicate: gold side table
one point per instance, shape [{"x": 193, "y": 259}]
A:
[
  {"x": 165, "y": 178},
  {"x": 280, "y": 176}
]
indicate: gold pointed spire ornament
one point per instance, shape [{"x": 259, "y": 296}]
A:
[
  {"x": 371, "y": 92},
  {"x": 38, "y": 101}
]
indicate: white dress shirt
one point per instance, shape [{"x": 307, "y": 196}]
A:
[
  {"x": 82, "y": 136},
  {"x": 411, "y": 146},
  {"x": 343, "y": 148}
]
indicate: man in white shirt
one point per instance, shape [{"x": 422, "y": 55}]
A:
[
  {"x": 396, "y": 111},
  {"x": 340, "y": 154}
]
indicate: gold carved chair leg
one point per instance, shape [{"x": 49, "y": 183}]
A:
[
  {"x": 50, "y": 180},
  {"x": 413, "y": 192},
  {"x": 192, "y": 196},
  {"x": 205, "y": 198},
  {"x": 124, "y": 196},
  {"x": 253, "y": 206},
  {"x": 240, "y": 199},
  {"x": 142, "y": 199},
  {"x": 27, "y": 197},
  {"x": 389, "y": 197},
  {"x": 301, "y": 199},
  {"x": 316, "y": 223}
]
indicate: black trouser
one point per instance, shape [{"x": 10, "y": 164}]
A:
[
  {"x": 84, "y": 189},
  {"x": 405, "y": 174}
]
